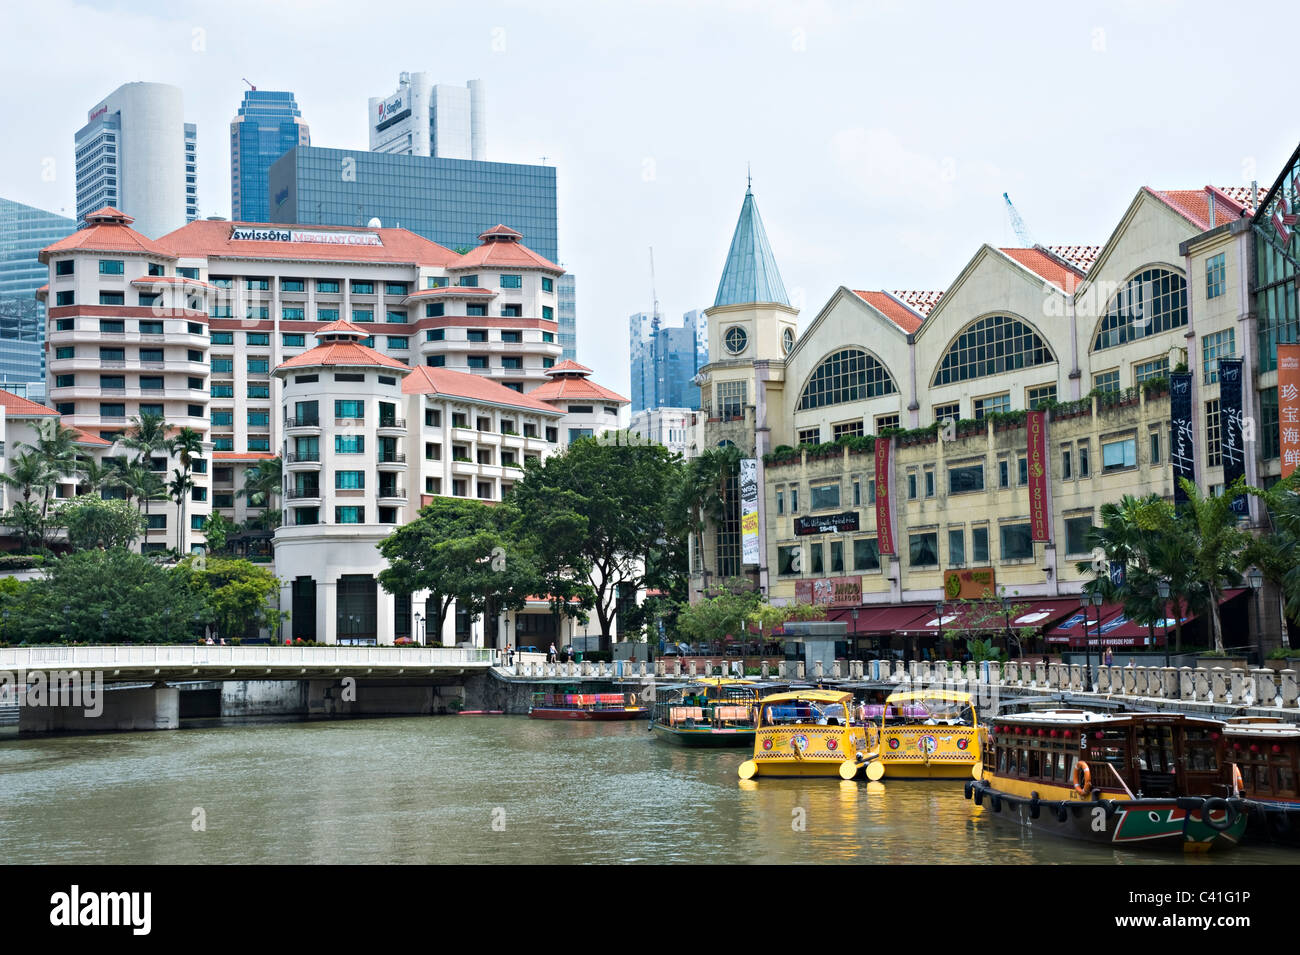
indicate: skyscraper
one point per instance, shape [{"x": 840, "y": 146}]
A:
[
  {"x": 424, "y": 118},
  {"x": 566, "y": 310},
  {"x": 268, "y": 125},
  {"x": 664, "y": 361},
  {"x": 136, "y": 153},
  {"x": 24, "y": 231}
]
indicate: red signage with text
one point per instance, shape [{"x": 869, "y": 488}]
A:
[
  {"x": 1288, "y": 406},
  {"x": 1040, "y": 518},
  {"x": 884, "y": 478}
]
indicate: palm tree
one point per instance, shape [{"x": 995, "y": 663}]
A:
[
  {"x": 703, "y": 494},
  {"x": 148, "y": 433},
  {"x": 262, "y": 483},
  {"x": 1276, "y": 554},
  {"x": 185, "y": 444},
  {"x": 29, "y": 472},
  {"x": 94, "y": 477},
  {"x": 179, "y": 489}
]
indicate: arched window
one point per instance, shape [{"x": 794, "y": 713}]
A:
[
  {"x": 848, "y": 375},
  {"x": 1152, "y": 302},
  {"x": 990, "y": 346}
]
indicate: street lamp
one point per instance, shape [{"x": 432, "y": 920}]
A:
[
  {"x": 67, "y": 622},
  {"x": 1006, "y": 618},
  {"x": 1256, "y": 580},
  {"x": 1162, "y": 587},
  {"x": 418, "y": 618}
]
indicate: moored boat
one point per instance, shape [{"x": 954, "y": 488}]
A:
[
  {"x": 1266, "y": 754},
  {"x": 711, "y": 713},
  {"x": 586, "y": 706},
  {"x": 1131, "y": 780},
  {"x": 806, "y": 733},
  {"x": 924, "y": 734}
]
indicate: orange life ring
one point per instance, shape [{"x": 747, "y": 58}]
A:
[
  {"x": 1238, "y": 784},
  {"x": 1083, "y": 785}
]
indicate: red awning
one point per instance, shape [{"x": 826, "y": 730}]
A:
[
  {"x": 880, "y": 619},
  {"x": 1071, "y": 629},
  {"x": 1035, "y": 613},
  {"x": 1130, "y": 631}
]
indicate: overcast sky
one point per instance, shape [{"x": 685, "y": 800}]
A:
[{"x": 882, "y": 134}]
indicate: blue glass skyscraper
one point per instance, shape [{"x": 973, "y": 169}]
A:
[
  {"x": 24, "y": 231},
  {"x": 451, "y": 201},
  {"x": 269, "y": 124},
  {"x": 664, "y": 362}
]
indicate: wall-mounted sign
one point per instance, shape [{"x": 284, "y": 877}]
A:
[
  {"x": 749, "y": 510},
  {"x": 1288, "y": 406},
  {"x": 1181, "y": 449},
  {"x": 1232, "y": 450},
  {"x": 973, "y": 583},
  {"x": 884, "y": 482},
  {"x": 245, "y": 234},
  {"x": 827, "y": 524},
  {"x": 829, "y": 591},
  {"x": 1040, "y": 515}
]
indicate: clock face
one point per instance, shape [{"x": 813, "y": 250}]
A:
[
  {"x": 735, "y": 339},
  {"x": 787, "y": 340}
]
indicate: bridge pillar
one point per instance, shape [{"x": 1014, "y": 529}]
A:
[{"x": 146, "y": 708}]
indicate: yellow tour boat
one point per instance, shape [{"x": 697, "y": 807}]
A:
[
  {"x": 806, "y": 733},
  {"x": 923, "y": 734}
]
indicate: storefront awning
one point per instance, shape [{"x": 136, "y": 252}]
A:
[
  {"x": 988, "y": 618},
  {"x": 1131, "y": 632},
  {"x": 1117, "y": 628}
]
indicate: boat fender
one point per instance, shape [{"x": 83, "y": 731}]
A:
[
  {"x": 978, "y": 795},
  {"x": 1034, "y": 805},
  {"x": 1188, "y": 802},
  {"x": 1062, "y": 813},
  {"x": 1214, "y": 804},
  {"x": 1279, "y": 823},
  {"x": 995, "y": 801},
  {"x": 967, "y": 786}
]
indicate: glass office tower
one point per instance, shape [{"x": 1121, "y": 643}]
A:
[
  {"x": 24, "y": 231},
  {"x": 268, "y": 125}
]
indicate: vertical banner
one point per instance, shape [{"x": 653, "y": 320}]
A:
[
  {"x": 884, "y": 484},
  {"x": 1288, "y": 406},
  {"x": 1232, "y": 449},
  {"x": 749, "y": 510},
  {"x": 1040, "y": 516},
  {"x": 1182, "y": 453}
]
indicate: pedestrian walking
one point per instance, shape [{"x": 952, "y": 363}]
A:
[
  {"x": 550, "y": 656},
  {"x": 1110, "y": 657}
]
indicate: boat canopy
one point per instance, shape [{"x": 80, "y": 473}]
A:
[
  {"x": 918, "y": 696},
  {"x": 810, "y": 696}
]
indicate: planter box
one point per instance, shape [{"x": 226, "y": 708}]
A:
[{"x": 1227, "y": 663}]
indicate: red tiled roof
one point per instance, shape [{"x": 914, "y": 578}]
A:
[
  {"x": 918, "y": 301},
  {"x": 341, "y": 353},
  {"x": 242, "y": 455},
  {"x": 500, "y": 230},
  {"x": 894, "y": 310},
  {"x": 107, "y": 230},
  {"x": 85, "y": 437},
  {"x": 43, "y": 291},
  {"x": 427, "y": 380},
  {"x": 341, "y": 325},
  {"x": 575, "y": 389},
  {"x": 450, "y": 291},
  {"x": 568, "y": 366},
  {"x": 21, "y": 407},
  {"x": 1063, "y": 276},
  {"x": 505, "y": 253},
  {"x": 1080, "y": 256},
  {"x": 206, "y": 237},
  {"x": 1194, "y": 204}
]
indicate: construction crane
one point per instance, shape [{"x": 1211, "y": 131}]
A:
[
  {"x": 1018, "y": 224},
  {"x": 654, "y": 297},
  {"x": 250, "y": 85}
]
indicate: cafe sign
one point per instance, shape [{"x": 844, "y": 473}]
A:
[
  {"x": 973, "y": 583},
  {"x": 827, "y": 524},
  {"x": 829, "y": 591}
]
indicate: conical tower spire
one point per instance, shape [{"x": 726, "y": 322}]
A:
[{"x": 750, "y": 276}]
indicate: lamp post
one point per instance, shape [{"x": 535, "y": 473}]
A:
[
  {"x": 1256, "y": 580},
  {"x": 1006, "y": 619},
  {"x": 67, "y": 622},
  {"x": 854, "y": 614},
  {"x": 1162, "y": 587},
  {"x": 418, "y": 618}
]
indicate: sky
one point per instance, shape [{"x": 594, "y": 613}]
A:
[{"x": 881, "y": 135}]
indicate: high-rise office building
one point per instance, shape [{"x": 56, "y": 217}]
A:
[
  {"x": 269, "y": 124},
  {"x": 567, "y": 312},
  {"x": 136, "y": 153},
  {"x": 24, "y": 231},
  {"x": 664, "y": 361},
  {"x": 424, "y": 118},
  {"x": 451, "y": 201}
]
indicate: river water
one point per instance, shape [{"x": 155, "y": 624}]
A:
[{"x": 477, "y": 789}]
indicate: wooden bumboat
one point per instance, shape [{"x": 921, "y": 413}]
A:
[
  {"x": 1266, "y": 753},
  {"x": 585, "y": 706},
  {"x": 1131, "y": 780},
  {"x": 716, "y": 713}
]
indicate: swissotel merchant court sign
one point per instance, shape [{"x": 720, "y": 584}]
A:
[{"x": 244, "y": 234}]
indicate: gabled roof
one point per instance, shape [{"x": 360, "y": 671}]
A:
[
  {"x": 750, "y": 275},
  {"x": 575, "y": 389},
  {"x": 348, "y": 353},
  {"x": 85, "y": 437},
  {"x": 1056, "y": 271},
  {"x": 568, "y": 366},
  {"x": 18, "y": 407},
  {"x": 1080, "y": 256},
  {"x": 106, "y": 230},
  {"x": 894, "y": 310},
  {"x": 502, "y": 248},
  {"x": 918, "y": 301},
  {"x": 341, "y": 325},
  {"x": 213, "y": 238},
  {"x": 1230, "y": 203},
  {"x": 427, "y": 380}
]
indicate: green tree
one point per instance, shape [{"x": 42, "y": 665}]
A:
[
  {"x": 701, "y": 497},
  {"x": 217, "y": 529},
  {"x": 30, "y": 474},
  {"x": 714, "y": 619},
  {"x": 147, "y": 434},
  {"x": 94, "y": 522},
  {"x": 594, "y": 516},
  {"x": 185, "y": 445},
  {"x": 179, "y": 488},
  {"x": 237, "y": 595},
  {"x": 1277, "y": 552},
  {"x": 262, "y": 484}
]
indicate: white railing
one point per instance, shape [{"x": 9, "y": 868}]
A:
[{"x": 271, "y": 657}]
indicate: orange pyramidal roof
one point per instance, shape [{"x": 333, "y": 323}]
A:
[
  {"x": 502, "y": 248},
  {"x": 569, "y": 383},
  {"x": 427, "y": 380},
  {"x": 106, "y": 230}
]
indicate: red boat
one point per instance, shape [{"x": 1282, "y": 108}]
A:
[{"x": 586, "y": 706}]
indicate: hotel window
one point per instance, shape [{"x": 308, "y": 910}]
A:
[
  {"x": 1106, "y": 381},
  {"x": 436, "y": 310},
  {"x": 794, "y": 500},
  {"x": 258, "y": 366},
  {"x": 966, "y": 478},
  {"x": 196, "y": 328},
  {"x": 1213, "y": 436},
  {"x": 552, "y": 434},
  {"x": 731, "y": 399},
  {"x": 257, "y": 312},
  {"x": 991, "y": 346},
  {"x": 349, "y": 480},
  {"x": 327, "y": 314},
  {"x": 349, "y": 515},
  {"x": 476, "y": 335},
  {"x": 948, "y": 411},
  {"x": 436, "y": 281},
  {"x": 857, "y": 493},
  {"x": 258, "y": 389},
  {"x": 293, "y": 341},
  {"x": 112, "y": 382},
  {"x": 511, "y": 362},
  {"x": 349, "y": 444},
  {"x": 363, "y": 288},
  {"x": 257, "y": 338},
  {"x": 292, "y": 285},
  {"x": 866, "y": 554},
  {"x": 810, "y": 436},
  {"x": 511, "y": 337},
  {"x": 956, "y": 547},
  {"x": 1213, "y": 347},
  {"x": 477, "y": 361},
  {"x": 306, "y": 515},
  {"x": 111, "y": 267},
  {"x": 435, "y": 335},
  {"x": 1043, "y": 394},
  {"x": 188, "y": 273},
  {"x": 432, "y": 451},
  {"x": 222, "y": 338},
  {"x": 780, "y": 502},
  {"x": 1214, "y": 275},
  {"x": 363, "y": 315},
  {"x": 923, "y": 549},
  {"x": 815, "y": 564},
  {"x": 1083, "y": 459},
  {"x": 1017, "y": 541},
  {"x": 979, "y": 545},
  {"x": 837, "y": 557},
  {"x": 1076, "y": 534},
  {"x": 259, "y": 444},
  {"x": 1150, "y": 370},
  {"x": 929, "y": 482},
  {"x": 911, "y": 486},
  {"x": 259, "y": 419},
  {"x": 548, "y": 337},
  {"x": 847, "y": 375},
  {"x": 65, "y": 298},
  {"x": 548, "y": 285},
  {"x": 223, "y": 391},
  {"x": 112, "y": 354},
  {"x": 788, "y": 560},
  {"x": 397, "y": 342},
  {"x": 435, "y": 361},
  {"x": 199, "y": 494},
  {"x": 395, "y": 288},
  {"x": 151, "y": 355},
  {"x": 69, "y": 351},
  {"x": 548, "y": 313},
  {"x": 292, "y": 314},
  {"x": 112, "y": 410},
  {"x": 1154, "y": 301},
  {"x": 458, "y": 488},
  {"x": 221, "y": 282},
  {"x": 257, "y": 285},
  {"x": 65, "y": 325},
  {"x": 459, "y": 419},
  {"x": 223, "y": 419},
  {"x": 68, "y": 381},
  {"x": 512, "y": 281},
  {"x": 220, "y": 311},
  {"x": 151, "y": 383},
  {"x": 512, "y": 311},
  {"x": 468, "y": 281},
  {"x": 476, "y": 311},
  {"x": 885, "y": 422},
  {"x": 354, "y": 409},
  {"x": 1118, "y": 455},
  {"x": 112, "y": 298},
  {"x": 432, "y": 418},
  {"x": 66, "y": 407},
  {"x": 395, "y": 317},
  {"x": 223, "y": 444},
  {"x": 156, "y": 269},
  {"x": 1004, "y": 473},
  {"x": 149, "y": 299},
  {"x": 824, "y": 496},
  {"x": 64, "y": 267},
  {"x": 1022, "y": 471},
  {"x": 993, "y": 404}
]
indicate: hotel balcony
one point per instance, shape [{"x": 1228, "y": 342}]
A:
[
  {"x": 392, "y": 493},
  {"x": 305, "y": 425},
  {"x": 302, "y": 494},
  {"x": 392, "y": 461},
  {"x": 391, "y": 426},
  {"x": 303, "y": 460}
]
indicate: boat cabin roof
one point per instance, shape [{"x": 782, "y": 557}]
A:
[
  {"x": 947, "y": 696},
  {"x": 1267, "y": 727},
  {"x": 812, "y": 696},
  {"x": 1072, "y": 717}
]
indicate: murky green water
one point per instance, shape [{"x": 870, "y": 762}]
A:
[{"x": 476, "y": 789}]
